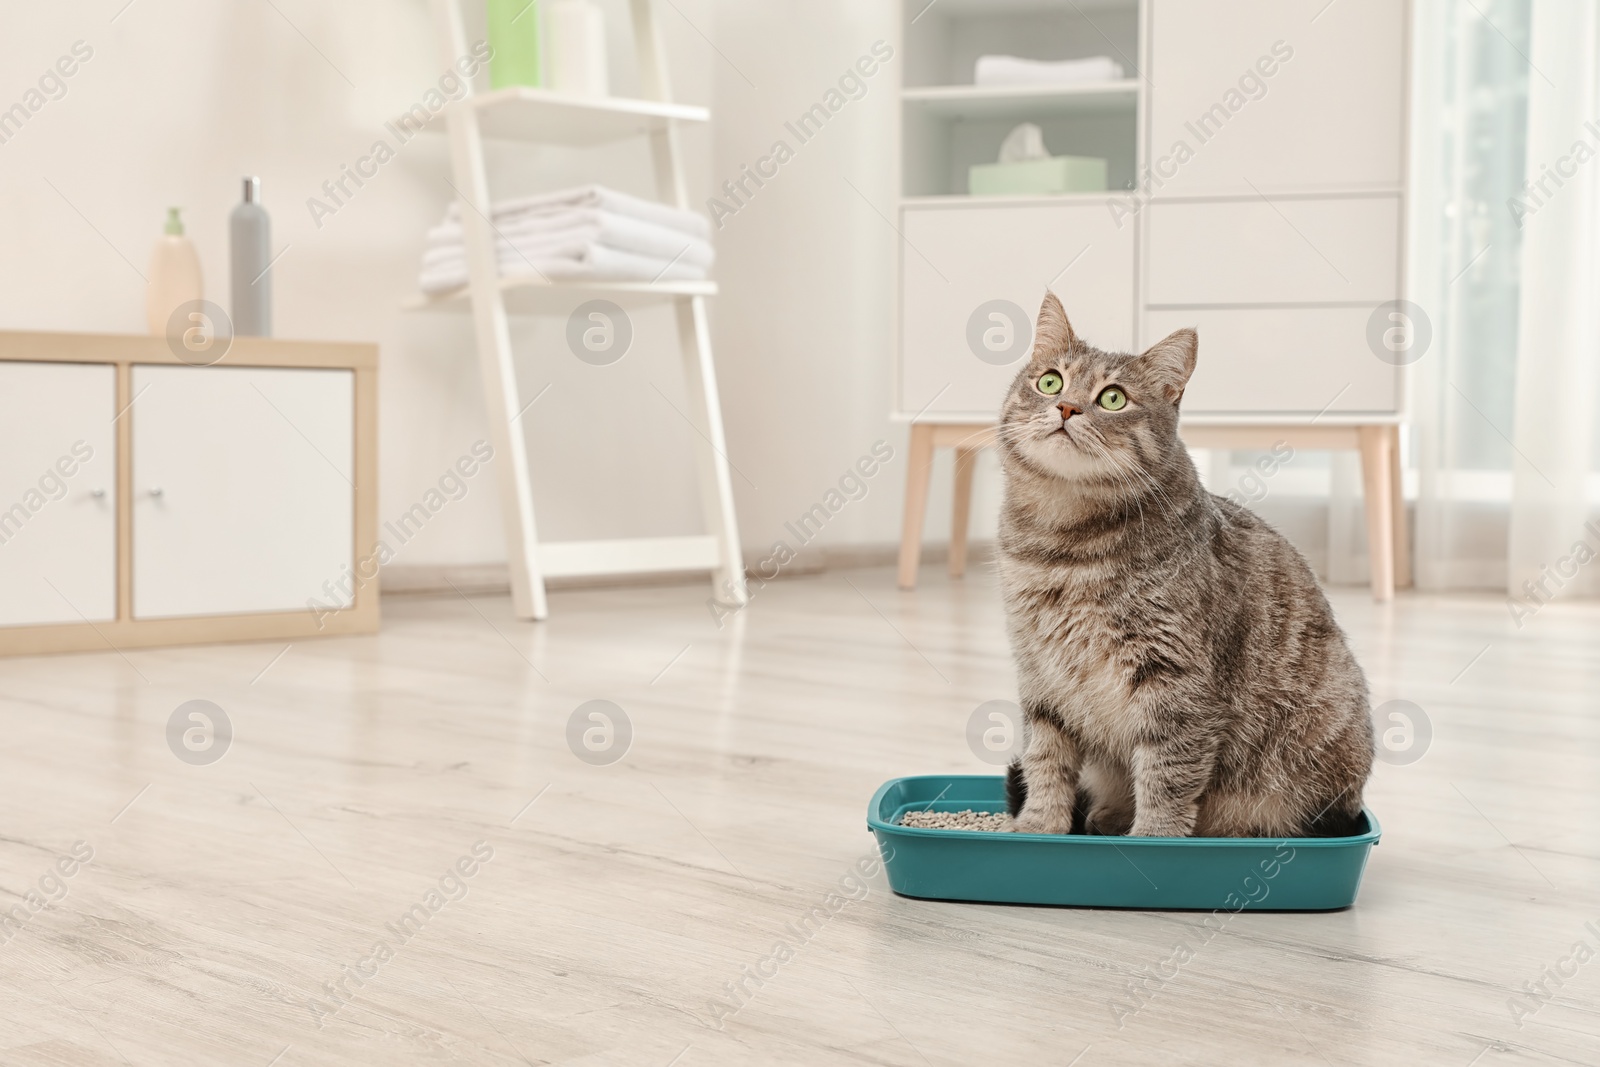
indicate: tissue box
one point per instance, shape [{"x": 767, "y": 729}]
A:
[{"x": 1057, "y": 174}]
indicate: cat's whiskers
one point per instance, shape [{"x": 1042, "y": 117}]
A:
[
  {"x": 963, "y": 443},
  {"x": 1134, "y": 474},
  {"x": 1133, "y": 466},
  {"x": 1198, "y": 533},
  {"x": 1129, "y": 495},
  {"x": 1132, "y": 485}
]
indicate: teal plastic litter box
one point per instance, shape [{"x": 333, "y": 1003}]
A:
[{"x": 1190, "y": 873}]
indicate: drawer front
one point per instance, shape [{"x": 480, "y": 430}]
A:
[
  {"x": 955, "y": 260},
  {"x": 1287, "y": 251},
  {"x": 58, "y": 493},
  {"x": 1288, "y": 361},
  {"x": 1263, "y": 97}
]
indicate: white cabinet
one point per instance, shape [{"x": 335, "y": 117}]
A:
[
  {"x": 957, "y": 259},
  {"x": 147, "y": 501},
  {"x": 1268, "y": 196},
  {"x": 58, "y": 528},
  {"x": 242, "y": 489},
  {"x": 1330, "y": 115},
  {"x": 1256, "y": 160}
]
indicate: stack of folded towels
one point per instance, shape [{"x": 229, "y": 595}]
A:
[
  {"x": 1010, "y": 70},
  {"x": 589, "y": 233}
]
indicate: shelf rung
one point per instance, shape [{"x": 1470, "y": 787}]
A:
[
  {"x": 630, "y": 555},
  {"x": 518, "y": 113},
  {"x": 526, "y": 296}
]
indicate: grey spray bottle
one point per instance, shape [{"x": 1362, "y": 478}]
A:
[{"x": 250, "y": 251}]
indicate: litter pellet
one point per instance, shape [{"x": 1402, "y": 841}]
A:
[{"x": 995, "y": 822}]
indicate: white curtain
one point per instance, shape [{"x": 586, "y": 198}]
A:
[
  {"x": 1501, "y": 453},
  {"x": 1468, "y": 142},
  {"x": 1558, "y": 340},
  {"x": 1504, "y": 402}
]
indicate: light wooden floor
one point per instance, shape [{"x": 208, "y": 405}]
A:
[{"x": 221, "y": 898}]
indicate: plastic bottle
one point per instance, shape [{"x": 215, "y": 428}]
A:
[
  {"x": 575, "y": 48},
  {"x": 250, "y": 249},
  {"x": 174, "y": 275},
  {"x": 514, "y": 37}
]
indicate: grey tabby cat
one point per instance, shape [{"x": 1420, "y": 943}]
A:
[{"x": 1180, "y": 671}]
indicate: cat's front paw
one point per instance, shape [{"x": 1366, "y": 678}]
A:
[
  {"x": 1043, "y": 822},
  {"x": 1162, "y": 827}
]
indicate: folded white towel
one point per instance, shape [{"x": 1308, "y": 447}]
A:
[
  {"x": 593, "y": 262},
  {"x": 1012, "y": 70},
  {"x": 593, "y": 197},
  {"x": 585, "y": 225},
  {"x": 589, "y": 232}
]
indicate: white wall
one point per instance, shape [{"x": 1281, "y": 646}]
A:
[
  {"x": 182, "y": 97},
  {"x": 807, "y": 270}
]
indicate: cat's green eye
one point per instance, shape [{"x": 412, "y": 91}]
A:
[
  {"x": 1050, "y": 383},
  {"x": 1113, "y": 399}
]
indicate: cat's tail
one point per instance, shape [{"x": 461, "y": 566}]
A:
[
  {"x": 1342, "y": 818},
  {"x": 1016, "y": 788}
]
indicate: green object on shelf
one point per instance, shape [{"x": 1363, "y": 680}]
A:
[
  {"x": 1055, "y": 174},
  {"x": 514, "y": 37}
]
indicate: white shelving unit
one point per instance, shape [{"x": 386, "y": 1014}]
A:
[
  {"x": 528, "y": 114},
  {"x": 1279, "y": 234}
]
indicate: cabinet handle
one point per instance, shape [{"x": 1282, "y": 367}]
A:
[
  {"x": 98, "y": 494},
  {"x": 156, "y": 491}
]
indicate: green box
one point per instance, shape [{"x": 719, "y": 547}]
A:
[
  {"x": 514, "y": 36},
  {"x": 1035, "y": 177}
]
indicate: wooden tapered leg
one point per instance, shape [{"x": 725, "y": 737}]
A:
[
  {"x": 961, "y": 510},
  {"x": 919, "y": 473},
  {"x": 1397, "y": 496},
  {"x": 1377, "y": 475}
]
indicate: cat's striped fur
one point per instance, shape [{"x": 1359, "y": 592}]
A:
[{"x": 1179, "y": 669}]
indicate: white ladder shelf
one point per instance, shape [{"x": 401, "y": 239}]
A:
[{"x": 538, "y": 115}]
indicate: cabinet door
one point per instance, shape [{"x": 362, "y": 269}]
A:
[
  {"x": 954, "y": 260},
  {"x": 1293, "y": 362},
  {"x": 1330, "y": 115},
  {"x": 58, "y": 493},
  {"x": 242, "y": 489}
]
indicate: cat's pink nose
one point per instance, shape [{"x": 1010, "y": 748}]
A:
[{"x": 1068, "y": 410}]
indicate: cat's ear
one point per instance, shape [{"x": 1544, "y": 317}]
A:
[
  {"x": 1170, "y": 361},
  {"x": 1052, "y": 333}
]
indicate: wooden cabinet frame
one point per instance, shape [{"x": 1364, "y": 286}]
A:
[{"x": 125, "y": 631}]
